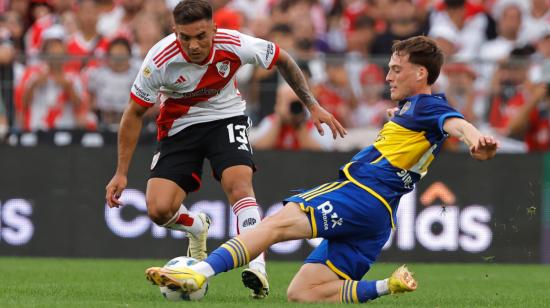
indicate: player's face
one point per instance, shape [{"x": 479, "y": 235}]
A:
[
  {"x": 196, "y": 38},
  {"x": 402, "y": 77}
]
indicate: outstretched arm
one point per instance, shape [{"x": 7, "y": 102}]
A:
[
  {"x": 128, "y": 134},
  {"x": 481, "y": 147},
  {"x": 294, "y": 77}
]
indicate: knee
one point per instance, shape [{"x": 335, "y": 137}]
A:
[
  {"x": 238, "y": 189},
  {"x": 159, "y": 211},
  {"x": 294, "y": 294}
]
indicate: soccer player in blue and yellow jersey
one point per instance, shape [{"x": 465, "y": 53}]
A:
[{"x": 355, "y": 214}]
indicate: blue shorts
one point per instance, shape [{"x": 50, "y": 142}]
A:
[{"x": 355, "y": 226}]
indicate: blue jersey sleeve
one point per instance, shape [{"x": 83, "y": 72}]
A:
[{"x": 431, "y": 113}]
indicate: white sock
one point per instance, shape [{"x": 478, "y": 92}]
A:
[
  {"x": 248, "y": 217},
  {"x": 382, "y": 287},
  {"x": 203, "y": 268},
  {"x": 185, "y": 221}
]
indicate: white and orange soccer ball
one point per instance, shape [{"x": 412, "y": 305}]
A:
[{"x": 179, "y": 295}]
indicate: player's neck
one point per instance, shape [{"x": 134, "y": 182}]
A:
[{"x": 423, "y": 90}]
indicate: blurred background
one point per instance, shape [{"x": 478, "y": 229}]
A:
[{"x": 66, "y": 68}]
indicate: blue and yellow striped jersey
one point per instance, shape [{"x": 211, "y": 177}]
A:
[{"x": 404, "y": 148}]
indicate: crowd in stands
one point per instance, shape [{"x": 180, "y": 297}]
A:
[{"x": 69, "y": 64}]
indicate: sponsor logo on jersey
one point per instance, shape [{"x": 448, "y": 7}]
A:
[
  {"x": 224, "y": 68},
  {"x": 326, "y": 209},
  {"x": 200, "y": 92},
  {"x": 269, "y": 52},
  {"x": 141, "y": 94},
  {"x": 406, "y": 178},
  {"x": 147, "y": 72}
]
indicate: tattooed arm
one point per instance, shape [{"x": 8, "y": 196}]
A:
[{"x": 295, "y": 78}]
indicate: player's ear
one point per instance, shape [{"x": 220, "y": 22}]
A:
[{"x": 421, "y": 73}]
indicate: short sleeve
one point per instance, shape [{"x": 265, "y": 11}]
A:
[
  {"x": 258, "y": 52},
  {"x": 432, "y": 113},
  {"x": 147, "y": 83}
]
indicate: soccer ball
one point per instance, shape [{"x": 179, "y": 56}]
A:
[{"x": 179, "y": 295}]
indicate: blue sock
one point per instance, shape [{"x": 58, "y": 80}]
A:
[
  {"x": 354, "y": 292},
  {"x": 228, "y": 256}
]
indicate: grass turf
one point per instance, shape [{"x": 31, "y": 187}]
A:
[{"x": 50, "y": 282}]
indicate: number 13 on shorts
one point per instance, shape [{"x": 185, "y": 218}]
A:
[{"x": 238, "y": 133}]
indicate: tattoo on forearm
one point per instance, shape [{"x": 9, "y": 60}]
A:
[{"x": 295, "y": 78}]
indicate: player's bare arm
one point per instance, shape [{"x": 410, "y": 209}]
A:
[
  {"x": 482, "y": 147},
  {"x": 128, "y": 134},
  {"x": 295, "y": 78}
]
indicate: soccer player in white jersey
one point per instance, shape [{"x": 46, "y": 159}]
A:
[{"x": 191, "y": 73}]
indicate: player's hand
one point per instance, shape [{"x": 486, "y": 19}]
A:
[
  {"x": 485, "y": 148},
  {"x": 390, "y": 112},
  {"x": 114, "y": 190},
  {"x": 320, "y": 115}
]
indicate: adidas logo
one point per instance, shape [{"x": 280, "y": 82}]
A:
[
  {"x": 243, "y": 147},
  {"x": 180, "y": 79},
  {"x": 249, "y": 222}
]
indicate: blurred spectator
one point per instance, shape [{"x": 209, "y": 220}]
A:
[
  {"x": 508, "y": 90},
  {"x": 158, "y": 11},
  {"x": 306, "y": 48},
  {"x": 336, "y": 31},
  {"x": 21, "y": 8},
  {"x": 7, "y": 70},
  {"x": 264, "y": 83},
  {"x": 259, "y": 26},
  {"x": 335, "y": 94},
  {"x": 86, "y": 46},
  {"x": 226, "y": 17},
  {"x": 12, "y": 22},
  {"x": 252, "y": 9},
  {"x": 109, "y": 85},
  {"x": 69, "y": 22},
  {"x": 536, "y": 20},
  {"x": 360, "y": 40},
  {"x": 116, "y": 20},
  {"x": 42, "y": 17},
  {"x": 533, "y": 118},
  {"x": 403, "y": 22},
  {"x": 288, "y": 127},
  {"x": 447, "y": 39},
  {"x": 361, "y": 36},
  {"x": 460, "y": 90},
  {"x": 147, "y": 32},
  {"x": 468, "y": 24},
  {"x": 371, "y": 109},
  {"x": 49, "y": 97},
  {"x": 296, "y": 11},
  {"x": 508, "y": 18},
  {"x": 110, "y": 15}
]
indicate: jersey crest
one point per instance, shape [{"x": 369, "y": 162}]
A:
[{"x": 224, "y": 68}]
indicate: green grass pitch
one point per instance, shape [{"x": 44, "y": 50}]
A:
[{"x": 52, "y": 282}]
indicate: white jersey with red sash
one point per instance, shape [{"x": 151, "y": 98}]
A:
[{"x": 191, "y": 93}]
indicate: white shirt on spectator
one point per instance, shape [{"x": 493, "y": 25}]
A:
[
  {"x": 111, "y": 89},
  {"x": 468, "y": 39},
  {"x": 50, "y": 107}
]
